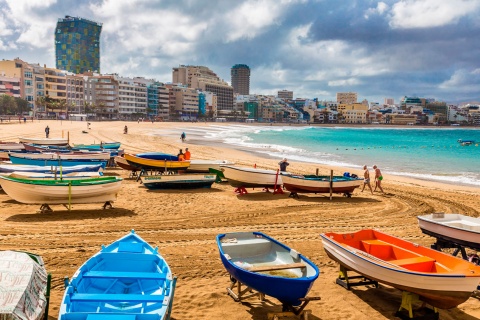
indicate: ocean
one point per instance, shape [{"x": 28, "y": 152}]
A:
[{"x": 424, "y": 153}]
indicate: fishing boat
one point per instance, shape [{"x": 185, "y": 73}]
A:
[
  {"x": 454, "y": 227},
  {"x": 63, "y": 155},
  {"x": 11, "y": 146},
  {"x": 54, "y": 176},
  {"x": 439, "y": 279},
  {"x": 122, "y": 163},
  {"x": 244, "y": 177},
  {"x": 45, "y": 141},
  {"x": 126, "y": 280},
  {"x": 97, "y": 146},
  {"x": 93, "y": 190},
  {"x": 23, "y": 286},
  {"x": 179, "y": 181},
  {"x": 59, "y": 161},
  {"x": 267, "y": 265},
  {"x": 152, "y": 164},
  {"x": 206, "y": 165},
  {"x": 8, "y": 168},
  {"x": 320, "y": 184}
]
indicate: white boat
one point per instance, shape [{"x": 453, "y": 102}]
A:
[
  {"x": 457, "y": 228},
  {"x": 9, "y": 167},
  {"x": 11, "y": 146},
  {"x": 94, "y": 190},
  {"x": 440, "y": 279},
  {"x": 23, "y": 285},
  {"x": 244, "y": 177},
  {"x": 320, "y": 184},
  {"x": 53, "y": 176},
  {"x": 205, "y": 165},
  {"x": 45, "y": 141},
  {"x": 63, "y": 155}
]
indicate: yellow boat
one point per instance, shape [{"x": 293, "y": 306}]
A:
[{"x": 152, "y": 164}]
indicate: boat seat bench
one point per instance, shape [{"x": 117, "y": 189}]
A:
[
  {"x": 277, "y": 267},
  {"x": 414, "y": 260},
  {"x": 125, "y": 275},
  {"x": 102, "y": 297}
]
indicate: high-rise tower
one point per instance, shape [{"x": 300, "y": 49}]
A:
[
  {"x": 77, "y": 45},
  {"x": 241, "y": 79}
]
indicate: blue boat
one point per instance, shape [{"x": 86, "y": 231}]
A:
[
  {"x": 57, "y": 162},
  {"x": 127, "y": 280},
  {"x": 97, "y": 146},
  {"x": 157, "y": 156},
  {"x": 266, "y": 265}
]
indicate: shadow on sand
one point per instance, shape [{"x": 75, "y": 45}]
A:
[
  {"x": 319, "y": 198},
  {"x": 387, "y": 300},
  {"x": 66, "y": 215}
]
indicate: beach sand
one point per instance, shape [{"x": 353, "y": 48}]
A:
[{"x": 184, "y": 224}]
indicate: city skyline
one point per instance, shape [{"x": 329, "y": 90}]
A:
[{"x": 379, "y": 49}]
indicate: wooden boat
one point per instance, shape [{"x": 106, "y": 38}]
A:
[
  {"x": 41, "y": 148},
  {"x": 243, "y": 177},
  {"x": 8, "y": 168},
  {"x": 179, "y": 181},
  {"x": 206, "y": 165},
  {"x": 122, "y": 163},
  {"x": 11, "y": 146},
  {"x": 45, "y": 141},
  {"x": 97, "y": 146},
  {"x": 266, "y": 265},
  {"x": 93, "y": 190},
  {"x": 23, "y": 286},
  {"x": 320, "y": 184},
  {"x": 125, "y": 280},
  {"x": 56, "y": 162},
  {"x": 454, "y": 227},
  {"x": 441, "y": 280},
  {"x": 151, "y": 164},
  {"x": 54, "y": 176},
  {"x": 157, "y": 156},
  {"x": 63, "y": 155}
]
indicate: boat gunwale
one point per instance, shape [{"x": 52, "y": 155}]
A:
[{"x": 446, "y": 225}]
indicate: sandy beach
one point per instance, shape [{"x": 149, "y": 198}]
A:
[{"x": 184, "y": 224}]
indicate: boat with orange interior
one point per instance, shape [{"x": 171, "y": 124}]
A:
[{"x": 439, "y": 279}]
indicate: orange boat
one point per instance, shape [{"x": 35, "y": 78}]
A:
[{"x": 441, "y": 280}]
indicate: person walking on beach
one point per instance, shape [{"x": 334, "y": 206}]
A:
[
  {"x": 47, "y": 132},
  {"x": 125, "y": 130},
  {"x": 187, "y": 154},
  {"x": 183, "y": 136},
  {"x": 366, "y": 178},
  {"x": 283, "y": 165},
  {"x": 378, "y": 179},
  {"x": 180, "y": 155}
]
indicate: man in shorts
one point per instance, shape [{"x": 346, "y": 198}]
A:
[
  {"x": 378, "y": 179},
  {"x": 366, "y": 178}
]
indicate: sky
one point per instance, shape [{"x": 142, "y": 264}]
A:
[{"x": 315, "y": 48}]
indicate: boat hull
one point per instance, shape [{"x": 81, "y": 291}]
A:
[
  {"x": 45, "y": 141},
  {"x": 319, "y": 184},
  {"x": 97, "y": 146},
  {"x": 242, "y": 177},
  {"x": 158, "y": 165},
  {"x": 5, "y": 168},
  {"x": 242, "y": 251},
  {"x": 56, "y": 162},
  {"x": 126, "y": 280},
  {"x": 457, "y": 228},
  {"x": 157, "y": 156},
  {"x": 92, "y": 190},
  {"x": 122, "y": 163},
  {"x": 201, "y": 166},
  {"x": 183, "y": 181},
  {"x": 413, "y": 271}
]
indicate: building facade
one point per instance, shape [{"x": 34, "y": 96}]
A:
[
  {"x": 346, "y": 97},
  {"x": 240, "y": 75},
  {"x": 77, "y": 45},
  {"x": 285, "y": 94}
]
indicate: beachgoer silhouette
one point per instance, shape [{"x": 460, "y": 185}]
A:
[
  {"x": 283, "y": 165},
  {"x": 183, "y": 136},
  {"x": 47, "y": 132}
]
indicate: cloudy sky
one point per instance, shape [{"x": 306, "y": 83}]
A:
[{"x": 424, "y": 48}]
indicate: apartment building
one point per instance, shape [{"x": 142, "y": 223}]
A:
[
  {"x": 158, "y": 100},
  {"x": 240, "y": 76},
  {"x": 10, "y": 86},
  {"x": 183, "y": 102},
  {"x": 285, "y": 94},
  {"x": 347, "y": 97}
]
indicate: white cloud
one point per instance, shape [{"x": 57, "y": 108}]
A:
[
  {"x": 462, "y": 81},
  {"x": 344, "y": 82},
  {"x": 407, "y": 14},
  {"x": 381, "y": 8}
]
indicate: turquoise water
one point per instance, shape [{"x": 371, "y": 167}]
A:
[{"x": 431, "y": 153}]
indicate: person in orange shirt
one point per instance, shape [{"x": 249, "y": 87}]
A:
[
  {"x": 181, "y": 156},
  {"x": 187, "y": 154}
]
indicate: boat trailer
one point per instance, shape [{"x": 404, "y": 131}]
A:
[{"x": 287, "y": 309}]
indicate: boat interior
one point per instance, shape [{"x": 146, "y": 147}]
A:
[
  {"x": 258, "y": 254},
  {"x": 398, "y": 253}
]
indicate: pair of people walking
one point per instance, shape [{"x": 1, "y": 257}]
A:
[{"x": 378, "y": 179}]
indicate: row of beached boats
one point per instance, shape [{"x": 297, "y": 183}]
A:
[{"x": 129, "y": 279}]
